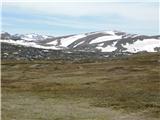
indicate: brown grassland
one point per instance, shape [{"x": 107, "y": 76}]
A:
[{"x": 115, "y": 89}]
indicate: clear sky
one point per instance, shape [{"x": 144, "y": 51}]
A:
[{"x": 63, "y": 18}]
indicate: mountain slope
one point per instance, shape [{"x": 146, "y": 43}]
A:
[{"x": 101, "y": 42}]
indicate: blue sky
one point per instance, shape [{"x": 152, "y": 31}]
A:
[{"x": 63, "y": 18}]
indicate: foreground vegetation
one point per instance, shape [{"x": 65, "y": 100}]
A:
[{"x": 118, "y": 89}]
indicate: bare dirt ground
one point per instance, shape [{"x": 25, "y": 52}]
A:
[{"x": 119, "y": 89}]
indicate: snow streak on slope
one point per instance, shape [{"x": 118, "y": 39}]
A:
[
  {"x": 55, "y": 42},
  {"x": 67, "y": 41},
  {"x": 103, "y": 41},
  {"x": 110, "y": 32},
  {"x": 79, "y": 43},
  {"x": 33, "y": 37},
  {"x": 29, "y": 44},
  {"x": 109, "y": 48},
  {"x": 145, "y": 45},
  {"x": 105, "y": 38}
]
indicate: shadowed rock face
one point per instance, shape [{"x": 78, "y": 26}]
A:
[
  {"x": 106, "y": 44},
  {"x": 5, "y": 36}
]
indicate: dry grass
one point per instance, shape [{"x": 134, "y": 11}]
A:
[{"x": 119, "y": 89}]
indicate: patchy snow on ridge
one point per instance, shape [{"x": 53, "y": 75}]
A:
[
  {"x": 55, "y": 42},
  {"x": 46, "y": 36},
  {"x": 79, "y": 43},
  {"x": 29, "y": 44},
  {"x": 69, "y": 40},
  {"x": 105, "y": 38},
  {"x": 33, "y": 37},
  {"x": 104, "y": 32},
  {"x": 145, "y": 45},
  {"x": 105, "y": 41},
  {"x": 110, "y": 32},
  {"x": 100, "y": 45},
  {"x": 109, "y": 48}
]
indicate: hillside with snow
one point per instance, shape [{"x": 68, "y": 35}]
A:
[{"x": 101, "y": 42}]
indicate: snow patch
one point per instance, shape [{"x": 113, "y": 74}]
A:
[
  {"x": 145, "y": 45},
  {"x": 109, "y": 48},
  {"x": 55, "y": 42},
  {"x": 110, "y": 32},
  {"x": 29, "y": 44},
  {"x": 65, "y": 42},
  {"x": 105, "y": 38},
  {"x": 79, "y": 43},
  {"x": 106, "y": 56},
  {"x": 33, "y": 37},
  {"x": 100, "y": 45}
]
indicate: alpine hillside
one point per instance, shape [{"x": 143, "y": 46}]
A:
[{"x": 100, "y": 44}]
